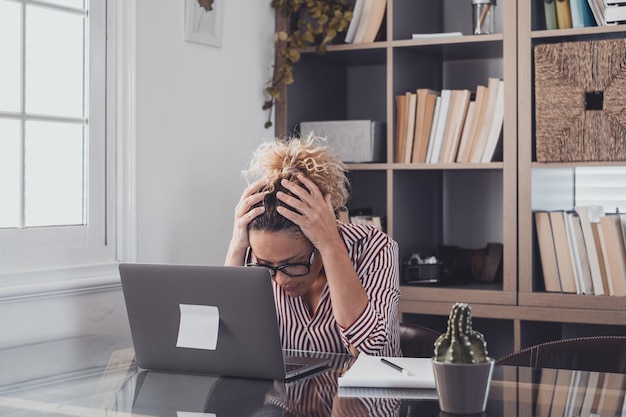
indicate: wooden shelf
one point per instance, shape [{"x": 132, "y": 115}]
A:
[{"x": 468, "y": 205}]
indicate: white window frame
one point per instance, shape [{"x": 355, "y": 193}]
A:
[{"x": 96, "y": 271}]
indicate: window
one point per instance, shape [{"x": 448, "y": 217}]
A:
[
  {"x": 57, "y": 198},
  {"x": 604, "y": 186}
]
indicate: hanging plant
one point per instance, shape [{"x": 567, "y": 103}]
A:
[{"x": 307, "y": 23}]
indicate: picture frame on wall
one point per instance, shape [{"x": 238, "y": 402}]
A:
[{"x": 203, "y": 21}]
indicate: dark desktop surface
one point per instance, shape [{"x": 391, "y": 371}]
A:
[{"x": 95, "y": 376}]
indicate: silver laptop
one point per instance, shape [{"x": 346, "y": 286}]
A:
[{"x": 216, "y": 320}]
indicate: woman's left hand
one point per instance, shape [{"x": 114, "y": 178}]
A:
[{"x": 312, "y": 211}]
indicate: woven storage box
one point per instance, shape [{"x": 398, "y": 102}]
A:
[{"x": 580, "y": 101}]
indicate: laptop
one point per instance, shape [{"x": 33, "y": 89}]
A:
[{"x": 215, "y": 320}]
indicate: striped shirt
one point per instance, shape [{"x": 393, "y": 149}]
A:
[{"x": 376, "y": 331}]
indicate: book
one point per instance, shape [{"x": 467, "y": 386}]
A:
[
  {"x": 426, "y": 99},
  {"x": 597, "y": 13},
  {"x": 370, "y": 371},
  {"x": 549, "y": 7},
  {"x": 563, "y": 254},
  {"x": 435, "y": 35},
  {"x": 586, "y": 216},
  {"x": 363, "y": 21},
  {"x": 410, "y": 126},
  {"x": 612, "y": 226},
  {"x": 495, "y": 129},
  {"x": 605, "y": 258},
  {"x": 354, "y": 22},
  {"x": 579, "y": 253},
  {"x": 401, "y": 106},
  {"x": 581, "y": 14},
  {"x": 479, "y": 141},
  {"x": 563, "y": 14},
  {"x": 375, "y": 20},
  {"x": 615, "y": 14},
  {"x": 469, "y": 131},
  {"x": 607, "y": 13},
  {"x": 431, "y": 136},
  {"x": 454, "y": 126},
  {"x": 547, "y": 252},
  {"x": 440, "y": 126},
  {"x": 467, "y": 128},
  {"x": 595, "y": 227}
]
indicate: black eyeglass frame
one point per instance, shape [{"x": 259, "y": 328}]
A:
[{"x": 274, "y": 269}]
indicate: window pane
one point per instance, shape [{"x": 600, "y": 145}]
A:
[
  {"x": 604, "y": 186},
  {"x": 10, "y": 173},
  {"x": 71, "y": 3},
  {"x": 54, "y": 181},
  {"x": 10, "y": 13},
  {"x": 54, "y": 62}
]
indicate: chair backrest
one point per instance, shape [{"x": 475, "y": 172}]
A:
[
  {"x": 417, "y": 341},
  {"x": 595, "y": 353}
]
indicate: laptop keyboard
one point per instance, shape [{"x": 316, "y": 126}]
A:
[{"x": 290, "y": 367}]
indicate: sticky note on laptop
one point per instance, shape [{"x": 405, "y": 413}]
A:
[{"x": 199, "y": 327}]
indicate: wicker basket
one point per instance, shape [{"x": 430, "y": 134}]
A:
[{"x": 580, "y": 103}]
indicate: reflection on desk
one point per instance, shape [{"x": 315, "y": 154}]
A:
[
  {"x": 111, "y": 386},
  {"x": 160, "y": 394}
]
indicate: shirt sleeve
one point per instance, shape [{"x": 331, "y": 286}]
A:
[{"x": 376, "y": 330}]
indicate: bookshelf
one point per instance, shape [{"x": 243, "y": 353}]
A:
[
  {"x": 548, "y": 316},
  {"x": 462, "y": 204}
]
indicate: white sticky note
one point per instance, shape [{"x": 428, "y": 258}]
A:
[
  {"x": 193, "y": 414},
  {"x": 198, "y": 328}
]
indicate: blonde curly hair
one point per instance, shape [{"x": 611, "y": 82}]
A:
[{"x": 279, "y": 159}]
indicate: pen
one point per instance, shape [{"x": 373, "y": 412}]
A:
[{"x": 396, "y": 367}]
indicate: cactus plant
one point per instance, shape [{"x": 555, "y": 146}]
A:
[{"x": 460, "y": 343}]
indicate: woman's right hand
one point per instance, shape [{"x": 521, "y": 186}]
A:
[{"x": 244, "y": 214}]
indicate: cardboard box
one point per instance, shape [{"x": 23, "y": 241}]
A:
[
  {"x": 580, "y": 111},
  {"x": 355, "y": 141}
]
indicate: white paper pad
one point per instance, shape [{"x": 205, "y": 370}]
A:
[
  {"x": 198, "y": 327},
  {"x": 369, "y": 371}
]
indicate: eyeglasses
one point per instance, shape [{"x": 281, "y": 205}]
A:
[{"x": 295, "y": 269}]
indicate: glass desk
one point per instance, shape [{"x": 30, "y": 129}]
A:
[{"x": 94, "y": 376}]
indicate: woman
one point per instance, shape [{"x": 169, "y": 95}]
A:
[{"x": 336, "y": 285}]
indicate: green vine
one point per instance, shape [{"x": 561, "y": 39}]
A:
[{"x": 308, "y": 23}]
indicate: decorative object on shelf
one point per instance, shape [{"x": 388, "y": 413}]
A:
[
  {"x": 355, "y": 141},
  {"x": 483, "y": 17},
  {"x": 579, "y": 101},
  {"x": 203, "y": 21},
  {"x": 418, "y": 270},
  {"x": 461, "y": 365},
  {"x": 305, "y": 24}
]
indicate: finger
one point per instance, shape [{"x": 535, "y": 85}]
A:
[
  {"x": 314, "y": 190},
  {"x": 255, "y": 187},
  {"x": 246, "y": 203}
]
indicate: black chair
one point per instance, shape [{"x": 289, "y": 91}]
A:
[
  {"x": 417, "y": 341},
  {"x": 595, "y": 353}
]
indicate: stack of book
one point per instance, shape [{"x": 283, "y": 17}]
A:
[
  {"x": 450, "y": 125},
  {"x": 565, "y": 14},
  {"x": 608, "y": 12},
  {"x": 582, "y": 251},
  {"x": 367, "y": 18}
]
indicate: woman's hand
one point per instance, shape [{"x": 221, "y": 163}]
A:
[
  {"x": 244, "y": 214},
  {"x": 312, "y": 211}
]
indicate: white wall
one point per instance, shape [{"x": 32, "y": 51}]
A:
[{"x": 199, "y": 117}]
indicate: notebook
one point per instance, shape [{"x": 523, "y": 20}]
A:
[{"x": 216, "y": 320}]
